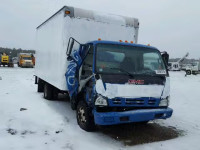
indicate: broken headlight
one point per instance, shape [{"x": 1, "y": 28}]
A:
[
  {"x": 165, "y": 101},
  {"x": 101, "y": 101}
]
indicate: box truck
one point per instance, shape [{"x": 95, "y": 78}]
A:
[
  {"x": 95, "y": 58},
  {"x": 25, "y": 60},
  {"x": 193, "y": 68},
  {"x": 6, "y": 60},
  {"x": 176, "y": 66}
]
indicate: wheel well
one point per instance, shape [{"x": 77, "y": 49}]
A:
[{"x": 80, "y": 96}]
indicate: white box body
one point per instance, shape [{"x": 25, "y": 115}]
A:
[{"x": 84, "y": 26}]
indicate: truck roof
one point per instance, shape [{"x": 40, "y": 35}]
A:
[
  {"x": 123, "y": 43},
  {"x": 96, "y": 16}
]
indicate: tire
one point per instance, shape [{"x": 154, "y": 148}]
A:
[
  {"x": 188, "y": 72},
  {"x": 194, "y": 73},
  {"x": 48, "y": 91},
  {"x": 40, "y": 85},
  {"x": 84, "y": 117}
]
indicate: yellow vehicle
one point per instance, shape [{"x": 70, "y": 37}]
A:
[
  {"x": 5, "y": 60},
  {"x": 25, "y": 60}
]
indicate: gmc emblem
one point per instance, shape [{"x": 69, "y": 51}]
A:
[{"x": 131, "y": 81}]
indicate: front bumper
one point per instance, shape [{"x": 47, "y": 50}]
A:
[
  {"x": 27, "y": 65},
  {"x": 111, "y": 118}
]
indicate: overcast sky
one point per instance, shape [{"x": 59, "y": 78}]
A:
[{"x": 169, "y": 25}]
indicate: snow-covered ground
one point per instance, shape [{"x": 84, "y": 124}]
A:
[{"x": 52, "y": 124}]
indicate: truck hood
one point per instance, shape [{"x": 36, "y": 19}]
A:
[{"x": 132, "y": 91}]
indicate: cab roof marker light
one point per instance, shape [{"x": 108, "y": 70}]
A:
[
  {"x": 148, "y": 45},
  {"x": 131, "y": 42},
  {"x": 126, "y": 41},
  {"x": 120, "y": 41},
  {"x": 67, "y": 12},
  {"x": 99, "y": 39}
]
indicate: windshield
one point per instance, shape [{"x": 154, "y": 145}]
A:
[
  {"x": 27, "y": 58},
  {"x": 131, "y": 60},
  {"x": 194, "y": 64}
]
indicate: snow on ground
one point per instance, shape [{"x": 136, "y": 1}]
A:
[{"x": 52, "y": 124}]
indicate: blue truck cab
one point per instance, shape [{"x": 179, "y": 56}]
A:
[{"x": 117, "y": 82}]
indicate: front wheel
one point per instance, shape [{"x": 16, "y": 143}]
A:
[
  {"x": 84, "y": 117},
  {"x": 188, "y": 72}
]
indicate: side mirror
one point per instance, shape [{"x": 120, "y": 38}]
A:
[
  {"x": 70, "y": 46},
  {"x": 165, "y": 57}
]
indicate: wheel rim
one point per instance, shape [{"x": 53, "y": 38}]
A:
[{"x": 81, "y": 115}]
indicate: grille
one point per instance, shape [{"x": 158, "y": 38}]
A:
[
  {"x": 134, "y": 102},
  {"x": 152, "y": 102},
  {"x": 116, "y": 101},
  {"x": 4, "y": 60}
]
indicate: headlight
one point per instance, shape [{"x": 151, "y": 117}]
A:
[
  {"x": 101, "y": 101},
  {"x": 165, "y": 101}
]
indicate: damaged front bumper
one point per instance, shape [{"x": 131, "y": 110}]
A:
[{"x": 111, "y": 118}]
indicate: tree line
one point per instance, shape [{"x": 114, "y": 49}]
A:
[{"x": 13, "y": 52}]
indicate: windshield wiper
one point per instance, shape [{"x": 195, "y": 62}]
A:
[{"x": 122, "y": 70}]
